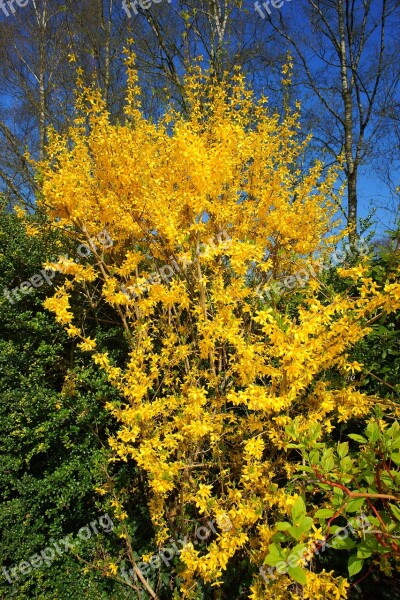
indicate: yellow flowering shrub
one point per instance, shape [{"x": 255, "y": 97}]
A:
[{"x": 205, "y": 210}]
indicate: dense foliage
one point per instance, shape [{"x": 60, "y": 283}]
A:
[{"x": 53, "y": 428}]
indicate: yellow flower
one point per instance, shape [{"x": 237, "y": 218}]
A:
[
  {"x": 87, "y": 344},
  {"x": 113, "y": 568},
  {"x": 218, "y": 380}
]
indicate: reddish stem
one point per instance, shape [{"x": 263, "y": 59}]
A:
[
  {"x": 363, "y": 577},
  {"x": 354, "y": 494}
]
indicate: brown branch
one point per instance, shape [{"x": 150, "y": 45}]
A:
[
  {"x": 354, "y": 494},
  {"x": 136, "y": 568},
  {"x": 134, "y": 587},
  {"x": 381, "y": 381}
]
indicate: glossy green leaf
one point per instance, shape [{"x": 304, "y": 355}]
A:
[
  {"x": 298, "y": 510},
  {"x": 358, "y": 438},
  {"x": 343, "y": 449},
  {"x": 355, "y": 565},
  {"x": 283, "y": 526},
  {"x": 324, "y": 513},
  {"x": 342, "y": 543},
  {"x": 355, "y": 505},
  {"x": 298, "y": 574}
]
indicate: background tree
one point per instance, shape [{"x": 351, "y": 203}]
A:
[{"x": 345, "y": 54}]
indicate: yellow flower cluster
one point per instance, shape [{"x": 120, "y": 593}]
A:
[{"x": 215, "y": 374}]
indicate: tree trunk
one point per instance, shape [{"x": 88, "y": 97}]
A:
[
  {"x": 352, "y": 204},
  {"x": 347, "y": 95}
]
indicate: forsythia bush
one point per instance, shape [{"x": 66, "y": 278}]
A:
[{"x": 227, "y": 395}]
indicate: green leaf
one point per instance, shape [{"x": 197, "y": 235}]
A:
[
  {"x": 279, "y": 536},
  {"x": 395, "y": 510},
  {"x": 324, "y": 513},
  {"x": 305, "y": 469},
  {"x": 340, "y": 543},
  {"x": 337, "y": 499},
  {"x": 346, "y": 464},
  {"x": 283, "y": 526},
  {"x": 363, "y": 551},
  {"x": 371, "y": 544},
  {"x": 396, "y": 458},
  {"x": 373, "y": 432},
  {"x": 314, "y": 457},
  {"x": 343, "y": 449},
  {"x": 298, "y": 574},
  {"x": 381, "y": 330},
  {"x": 304, "y": 525},
  {"x": 295, "y": 532},
  {"x": 298, "y": 510},
  {"x": 298, "y": 550},
  {"x": 328, "y": 463},
  {"x": 358, "y": 438},
  {"x": 276, "y": 550},
  {"x": 355, "y": 565},
  {"x": 355, "y": 505},
  {"x": 272, "y": 560}
]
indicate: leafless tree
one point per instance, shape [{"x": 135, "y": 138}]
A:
[{"x": 346, "y": 57}]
